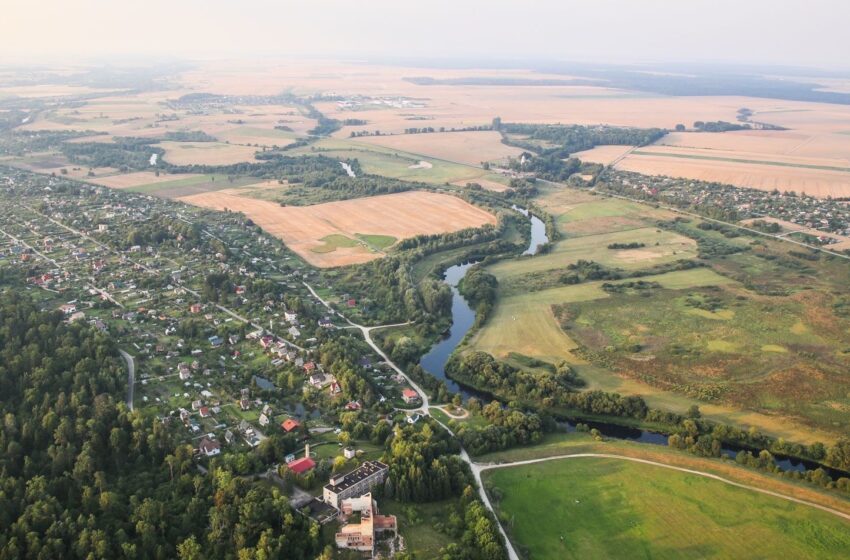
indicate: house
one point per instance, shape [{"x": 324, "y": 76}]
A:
[
  {"x": 353, "y": 405},
  {"x": 196, "y": 405},
  {"x": 351, "y": 302},
  {"x": 266, "y": 342},
  {"x": 335, "y": 389},
  {"x": 413, "y": 419},
  {"x": 240, "y": 290},
  {"x": 215, "y": 341},
  {"x": 290, "y": 424},
  {"x": 195, "y": 308},
  {"x": 309, "y": 367},
  {"x": 349, "y": 452},
  {"x": 362, "y": 536},
  {"x": 184, "y": 371},
  {"x": 233, "y": 339},
  {"x": 244, "y": 404},
  {"x": 267, "y": 410},
  {"x": 290, "y": 316},
  {"x": 356, "y": 483},
  {"x": 68, "y": 308},
  {"x": 264, "y": 420},
  {"x": 204, "y": 412},
  {"x": 228, "y": 436},
  {"x": 326, "y": 323},
  {"x": 409, "y": 396},
  {"x": 318, "y": 379},
  {"x": 209, "y": 447},
  {"x": 300, "y": 466}
]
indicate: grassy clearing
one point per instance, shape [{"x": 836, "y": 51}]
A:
[
  {"x": 333, "y": 242},
  {"x": 418, "y": 524},
  {"x": 660, "y": 247},
  {"x": 737, "y": 160},
  {"x": 192, "y": 185},
  {"x": 396, "y": 164},
  {"x": 379, "y": 242},
  {"x": 524, "y": 323},
  {"x": 607, "y": 508}
]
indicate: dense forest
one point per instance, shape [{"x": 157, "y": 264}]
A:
[{"x": 82, "y": 477}]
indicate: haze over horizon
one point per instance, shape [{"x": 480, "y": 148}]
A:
[{"x": 758, "y": 32}]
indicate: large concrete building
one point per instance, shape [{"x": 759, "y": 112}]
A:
[
  {"x": 363, "y": 535},
  {"x": 356, "y": 483}
]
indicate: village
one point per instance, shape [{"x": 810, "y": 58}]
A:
[{"x": 222, "y": 338}]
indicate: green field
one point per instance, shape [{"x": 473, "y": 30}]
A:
[
  {"x": 660, "y": 247},
  {"x": 333, "y": 242},
  {"x": 193, "y": 185},
  {"x": 378, "y": 242},
  {"x": 525, "y": 323},
  {"x": 610, "y": 508},
  {"x": 396, "y": 164}
]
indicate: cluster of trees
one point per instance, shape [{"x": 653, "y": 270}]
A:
[
  {"x": 473, "y": 530},
  {"x": 124, "y": 153},
  {"x": 82, "y": 477},
  {"x": 576, "y": 138},
  {"x": 189, "y": 136},
  {"x": 508, "y": 427},
  {"x": 479, "y": 288},
  {"x": 424, "y": 465},
  {"x": 719, "y": 126},
  {"x": 632, "y": 245}
]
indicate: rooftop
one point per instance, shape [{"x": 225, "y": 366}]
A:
[{"x": 359, "y": 474}]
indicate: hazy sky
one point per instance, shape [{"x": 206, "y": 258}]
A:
[{"x": 811, "y": 32}]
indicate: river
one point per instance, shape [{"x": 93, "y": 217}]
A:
[{"x": 463, "y": 317}]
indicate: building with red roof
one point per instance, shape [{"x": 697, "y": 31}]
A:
[
  {"x": 290, "y": 424},
  {"x": 409, "y": 395},
  {"x": 300, "y": 466}
]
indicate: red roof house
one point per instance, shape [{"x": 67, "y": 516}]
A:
[
  {"x": 300, "y": 466},
  {"x": 289, "y": 424},
  {"x": 409, "y": 395}
]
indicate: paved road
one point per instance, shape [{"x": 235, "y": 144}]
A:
[
  {"x": 423, "y": 408},
  {"x": 131, "y": 377}
]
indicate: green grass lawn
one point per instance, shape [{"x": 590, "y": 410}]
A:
[
  {"x": 608, "y": 508},
  {"x": 378, "y": 242},
  {"x": 418, "y": 524},
  {"x": 333, "y": 242}
]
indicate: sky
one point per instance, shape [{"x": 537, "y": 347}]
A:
[{"x": 771, "y": 32}]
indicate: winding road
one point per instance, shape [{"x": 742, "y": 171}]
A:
[{"x": 478, "y": 468}]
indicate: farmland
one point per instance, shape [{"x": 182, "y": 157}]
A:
[
  {"x": 305, "y": 229},
  {"x": 469, "y": 147},
  {"x": 206, "y": 153},
  {"x": 610, "y": 508}
]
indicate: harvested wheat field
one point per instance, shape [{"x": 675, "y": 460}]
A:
[
  {"x": 308, "y": 229},
  {"x": 471, "y": 147},
  {"x": 763, "y": 176},
  {"x": 605, "y": 155},
  {"x": 206, "y": 153}
]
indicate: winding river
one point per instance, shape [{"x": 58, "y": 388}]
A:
[{"x": 463, "y": 317}]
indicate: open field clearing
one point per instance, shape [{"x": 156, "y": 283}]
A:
[
  {"x": 525, "y": 323},
  {"x": 139, "y": 179},
  {"x": 783, "y": 160},
  {"x": 815, "y": 182},
  {"x": 592, "y": 507},
  {"x": 256, "y": 136},
  {"x": 190, "y": 184},
  {"x": 660, "y": 247},
  {"x": 206, "y": 153},
  {"x": 602, "y": 154},
  {"x": 775, "y": 143},
  {"x": 471, "y": 148},
  {"x": 397, "y": 164},
  {"x": 307, "y": 228}
]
